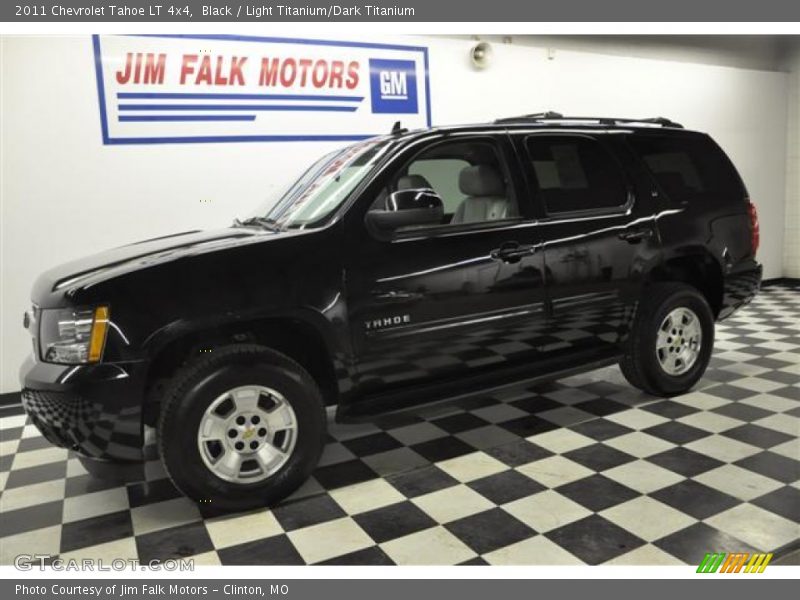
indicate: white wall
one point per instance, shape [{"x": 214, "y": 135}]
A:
[
  {"x": 791, "y": 254},
  {"x": 66, "y": 195}
]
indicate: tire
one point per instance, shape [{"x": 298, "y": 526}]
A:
[
  {"x": 658, "y": 371},
  {"x": 254, "y": 385}
]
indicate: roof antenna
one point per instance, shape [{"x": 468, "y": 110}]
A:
[{"x": 398, "y": 129}]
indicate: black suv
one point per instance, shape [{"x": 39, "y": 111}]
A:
[{"x": 400, "y": 270}]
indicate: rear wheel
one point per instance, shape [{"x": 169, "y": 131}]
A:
[
  {"x": 671, "y": 340},
  {"x": 241, "y": 428}
]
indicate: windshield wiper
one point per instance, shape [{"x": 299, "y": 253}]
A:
[{"x": 265, "y": 222}]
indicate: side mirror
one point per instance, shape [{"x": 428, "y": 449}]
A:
[{"x": 406, "y": 208}]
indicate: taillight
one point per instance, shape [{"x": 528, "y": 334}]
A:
[{"x": 755, "y": 233}]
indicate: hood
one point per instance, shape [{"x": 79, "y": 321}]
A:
[{"x": 110, "y": 263}]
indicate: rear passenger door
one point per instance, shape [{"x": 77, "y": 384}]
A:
[{"x": 598, "y": 233}]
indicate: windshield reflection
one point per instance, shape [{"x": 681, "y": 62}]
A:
[{"x": 322, "y": 188}]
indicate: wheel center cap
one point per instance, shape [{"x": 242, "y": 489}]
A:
[{"x": 248, "y": 433}]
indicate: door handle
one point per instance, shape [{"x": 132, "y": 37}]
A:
[
  {"x": 512, "y": 252},
  {"x": 634, "y": 236}
]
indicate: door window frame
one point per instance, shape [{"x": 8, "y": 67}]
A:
[{"x": 504, "y": 148}]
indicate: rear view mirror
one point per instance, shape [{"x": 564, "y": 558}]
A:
[{"x": 406, "y": 208}]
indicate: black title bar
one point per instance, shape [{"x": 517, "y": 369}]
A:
[{"x": 400, "y": 11}]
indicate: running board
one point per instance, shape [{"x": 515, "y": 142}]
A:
[{"x": 367, "y": 408}]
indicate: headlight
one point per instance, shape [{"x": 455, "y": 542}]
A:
[{"x": 73, "y": 335}]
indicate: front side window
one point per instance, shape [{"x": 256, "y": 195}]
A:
[
  {"x": 470, "y": 178},
  {"x": 575, "y": 174}
]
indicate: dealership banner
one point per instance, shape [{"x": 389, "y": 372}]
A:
[{"x": 221, "y": 88}]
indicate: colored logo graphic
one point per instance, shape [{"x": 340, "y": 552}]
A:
[
  {"x": 737, "y": 562},
  {"x": 393, "y": 86}
]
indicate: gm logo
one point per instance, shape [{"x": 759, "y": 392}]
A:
[{"x": 393, "y": 86}]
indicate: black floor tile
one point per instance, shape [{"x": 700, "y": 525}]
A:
[
  {"x": 393, "y": 521},
  {"x": 741, "y": 412},
  {"x": 490, "y": 530},
  {"x": 30, "y": 518},
  {"x": 684, "y": 461},
  {"x": 784, "y": 501},
  {"x": 97, "y": 530},
  {"x": 307, "y": 511},
  {"x": 695, "y": 499},
  {"x": 770, "y": 363},
  {"x": 594, "y": 539},
  {"x": 475, "y": 402},
  {"x": 599, "y": 457},
  {"x": 368, "y": 556},
  {"x": 528, "y": 426},
  {"x": 790, "y": 392},
  {"x": 597, "y": 492},
  {"x": 601, "y": 407},
  {"x": 459, "y": 422},
  {"x": 39, "y": 474},
  {"x": 442, "y": 449},
  {"x": 371, "y": 444},
  {"x": 474, "y": 562},
  {"x": 276, "y": 550},
  {"x": 600, "y": 429},
  {"x": 32, "y": 443},
  {"x": 393, "y": 421},
  {"x": 518, "y": 453},
  {"x": 756, "y": 435},
  {"x": 421, "y": 481},
  {"x": 676, "y": 433},
  {"x": 691, "y": 544},
  {"x": 342, "y": 474},
  {"x": 670, "y": 409},
  {"x": 506, "y": 487},
  {"x": 6, "y": 462},
  {"x": 777, "y": 466},
  {"x": 720, "y": 376},
  {"x": 780, "y": 377},
  {"x": 535, "y": 404},
  {"x": 175, "y": 542},
  {"x": 728, "y": 392}
]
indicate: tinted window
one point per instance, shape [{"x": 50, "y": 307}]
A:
[
  {"x": 575, "y": 174},
  {"x": 688, "y": 168}
]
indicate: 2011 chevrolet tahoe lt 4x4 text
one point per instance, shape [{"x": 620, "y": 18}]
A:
[{"x": 400, "y": 270}]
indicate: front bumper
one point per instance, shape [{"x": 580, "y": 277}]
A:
[
  {"x": 739, "y": 288},
  {"x": 95, "y": 410}
]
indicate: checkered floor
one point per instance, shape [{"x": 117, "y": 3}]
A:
[{"x": 582, "y": 470}]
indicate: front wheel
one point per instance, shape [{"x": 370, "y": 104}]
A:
[
  {"x": 241, "y": 428},
  {"x": 671, "y": 340}
]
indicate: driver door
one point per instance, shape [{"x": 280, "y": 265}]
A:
[{"x": 446, "y": 300}]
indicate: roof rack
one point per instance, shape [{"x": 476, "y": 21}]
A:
[{"x": 554, "y": 116}]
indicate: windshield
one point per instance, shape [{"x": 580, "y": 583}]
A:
[{"x": 323, "y": 187}]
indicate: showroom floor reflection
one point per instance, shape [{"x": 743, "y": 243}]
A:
[{"x": 582, "y": 470}]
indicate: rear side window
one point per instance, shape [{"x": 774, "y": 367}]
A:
[
  {"x": 575, "y": 174},
  {"x": 688, "y": 168}
]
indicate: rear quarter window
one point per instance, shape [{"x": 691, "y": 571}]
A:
[{"x": 689, "y": 168}]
